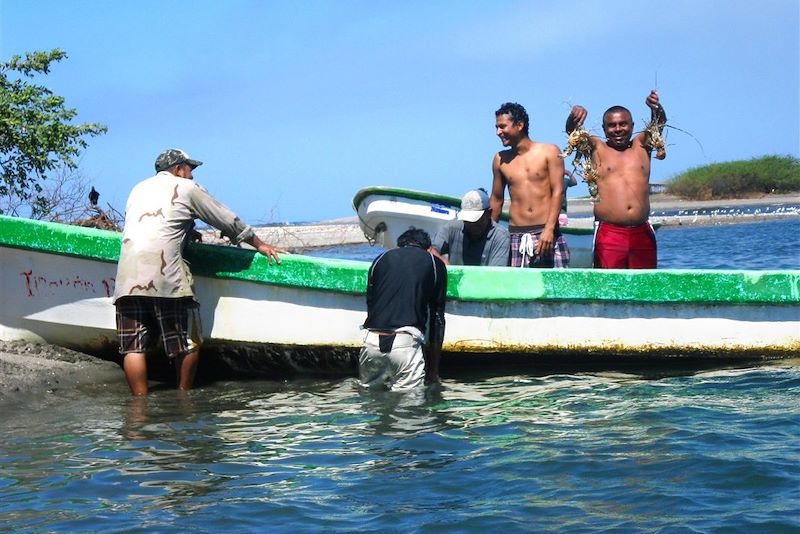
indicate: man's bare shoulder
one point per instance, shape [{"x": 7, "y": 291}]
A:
[{"x": 546, "y": 149}]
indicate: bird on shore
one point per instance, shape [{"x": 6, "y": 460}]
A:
[{"x": 94, "y": 196}]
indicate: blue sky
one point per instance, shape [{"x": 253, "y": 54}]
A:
[{"x": 294, "y": 106}]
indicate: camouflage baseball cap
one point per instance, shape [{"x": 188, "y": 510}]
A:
[{"x": 174, "y": 156}]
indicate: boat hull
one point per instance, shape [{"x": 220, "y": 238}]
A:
[{"x": 305, "y": 314}]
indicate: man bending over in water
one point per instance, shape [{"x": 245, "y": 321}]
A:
[
  {"x": 624, "y": 238},
  {"x": 534, "y": 174}
]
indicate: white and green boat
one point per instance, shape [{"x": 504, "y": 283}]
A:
[{"x": 304, "y": 314}]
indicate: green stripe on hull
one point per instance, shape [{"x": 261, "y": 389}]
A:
[
  {"x": 506, "y": 284},
  {"x": 464, "y": 283}
]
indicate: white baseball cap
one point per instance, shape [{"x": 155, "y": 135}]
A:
[{"x": 473, "y": 205}]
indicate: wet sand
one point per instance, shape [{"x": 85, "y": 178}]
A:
[{"x": 38, "y": 369}]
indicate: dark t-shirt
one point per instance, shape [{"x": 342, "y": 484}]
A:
[{"x": 407, "y": 287}]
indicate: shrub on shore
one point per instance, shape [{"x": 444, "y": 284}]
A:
[{"x": 738, "y": 179}]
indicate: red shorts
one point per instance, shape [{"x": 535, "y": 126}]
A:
[
  {"x": 624, "y": 247},
  {"x": 142, "y": 320}
]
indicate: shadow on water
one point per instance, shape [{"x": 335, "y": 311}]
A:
[
  {"x": 244, "y": 364},
  {"x": 475, "y": 367}
]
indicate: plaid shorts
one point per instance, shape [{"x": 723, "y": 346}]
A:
[
  {"x": 523, "y": 248},
  {"x": 142, "y": 320}
]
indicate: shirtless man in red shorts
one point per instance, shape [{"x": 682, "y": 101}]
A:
[{"x": 623, "y": 238}]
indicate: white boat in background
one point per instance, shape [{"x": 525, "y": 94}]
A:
[
  {"x": 386, "y": 212},
  {"x": 304, "y": 314}
]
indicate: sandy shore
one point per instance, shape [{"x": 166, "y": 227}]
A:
[
  {"x": 662, "y": 202},
  {"x": 35, "y": 369},
  {"x": 668, "y": 210}
]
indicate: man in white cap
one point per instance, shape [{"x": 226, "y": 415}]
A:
[
  {"x": 153, "y": 289},
  {"x": 473, "y": 238}
]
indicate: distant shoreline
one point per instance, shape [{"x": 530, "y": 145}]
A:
[
  {"x": 664, "y": 202},
  {"x": 668, "y": 210}
]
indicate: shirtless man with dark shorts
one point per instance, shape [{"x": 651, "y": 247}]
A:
[
  {"x": 624, "y": 238},
  {"x": 534, "y": 175}
]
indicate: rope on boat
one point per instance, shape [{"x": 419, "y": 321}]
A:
[{"x": 371, "y": 239}]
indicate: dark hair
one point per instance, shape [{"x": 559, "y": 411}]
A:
[
  {"x": 517, "y": 113},
  {"x": 617, "y": 109},
  {"x": 414, "y": 237}
]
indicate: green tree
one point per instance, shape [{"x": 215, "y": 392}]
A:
[{"x": 36, "y": 136}]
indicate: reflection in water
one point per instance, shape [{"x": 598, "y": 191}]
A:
[
  {"x": 170, "y": 447},
  {"x": 402, "y": 414}
]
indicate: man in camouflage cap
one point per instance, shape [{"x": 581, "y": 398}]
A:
[
  {"x": 153, "y": 290},
  {"x": 174, "y": 156}
]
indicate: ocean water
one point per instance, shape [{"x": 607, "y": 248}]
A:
[
  {"x": 758, "y": 245},
  {"x": 677, "y": 450}
]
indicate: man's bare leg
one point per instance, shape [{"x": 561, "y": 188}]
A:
[
  {"x": 135, "y": 366},
  {"x": 186, "y": 367}
]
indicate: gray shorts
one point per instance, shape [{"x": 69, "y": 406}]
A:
[{"x": 401, "y": 367}]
